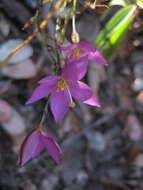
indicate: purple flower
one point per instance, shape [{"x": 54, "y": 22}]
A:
[
  {"x": 35, "y": 143},
  {"x": 63, "y": 88},
  {"x": 83, "y": 52}
]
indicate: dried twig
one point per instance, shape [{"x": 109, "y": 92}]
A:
[{"x": 30, "y": 38}]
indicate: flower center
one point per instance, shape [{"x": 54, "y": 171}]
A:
[
  {"x": 40, "y": 128},
  {"x": 76, "y": 53},
  {"x": 61, "y": 85}
]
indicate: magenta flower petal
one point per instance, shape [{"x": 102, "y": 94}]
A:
[
  {"x": 70, "y": 59},
  {"x": 59, "y": 104},
  {"x": 82, "y": 44},
  {"x": 40, "y": 92},
  {"x": 52, "y": 147},
  {"x": 51, "y": 80},
  {"x": 87, "y": 46},
  {"x": 74, "y": 72},
  {"x": 80, "y": 91},
  {"x": 97, "y": 57},
  {"x": 39, "y": 148},
  {"x": 29, "y": 147},
  {"x": 93, "y": 100}
]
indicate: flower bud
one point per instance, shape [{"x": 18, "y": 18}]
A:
[{"x": 75, "y": 37}]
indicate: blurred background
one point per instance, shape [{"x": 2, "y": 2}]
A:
[{"x": 102, "y": 147}]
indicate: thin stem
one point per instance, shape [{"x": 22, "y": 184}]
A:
[
  {"x": 58, "y": 66},
  {"x": 73, "y": 17},
  {"x": 73, "y": 24},
  {"x": 74, "y": 5},
  {"x": 75, "y": 35},
  {"x": 44, "y": 116},
  {"x": 66, "y": 20}
]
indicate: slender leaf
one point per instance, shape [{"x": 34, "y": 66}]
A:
[{"x": 115, "y": 30}]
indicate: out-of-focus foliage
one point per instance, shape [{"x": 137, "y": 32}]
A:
[{"x": 140, "y": 3}]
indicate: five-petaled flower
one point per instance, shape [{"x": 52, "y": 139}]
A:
[
  {"x": 63, "y": 88},
  {"x": 35, "y": 143},
  {"x": 83, "y": 51}
]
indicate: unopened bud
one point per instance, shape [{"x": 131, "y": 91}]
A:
[{"x": 75, "y": 37}]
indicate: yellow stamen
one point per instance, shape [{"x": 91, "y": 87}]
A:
[
  {"x": 40, "y": 128},
  {"x": 61, "y": 85},
  {"x": 76, "y": 53},
  {"x": 72, "y": 104}
]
